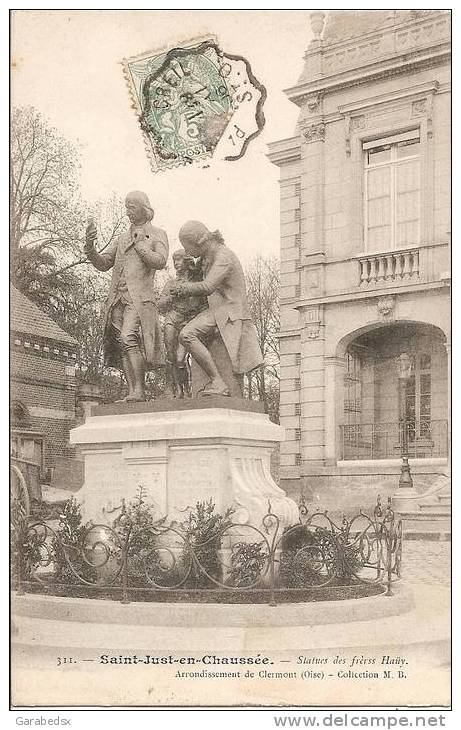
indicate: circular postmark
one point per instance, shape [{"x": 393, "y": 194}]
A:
[{"x": 196, "y": 102}]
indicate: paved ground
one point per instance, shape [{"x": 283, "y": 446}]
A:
[
  {"x": 420, "y": 635},
  {"x": 54, "y": 494},
  {"x": 426, "y": 561}
]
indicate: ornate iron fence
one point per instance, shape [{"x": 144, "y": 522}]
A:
[{"x": 136, "y": 554}]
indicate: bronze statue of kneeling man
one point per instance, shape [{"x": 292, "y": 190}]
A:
[
  {"x": 132, "y": 335},
  {"x": 228, "y": 310}
]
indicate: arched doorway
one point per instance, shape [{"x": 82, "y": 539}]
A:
[{"x": 377, "y": 404}]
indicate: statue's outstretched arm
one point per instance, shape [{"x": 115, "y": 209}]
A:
[{"x": 102, "y": 261}]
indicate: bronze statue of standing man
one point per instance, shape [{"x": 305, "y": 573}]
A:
[{"x": 132, "y": 335}]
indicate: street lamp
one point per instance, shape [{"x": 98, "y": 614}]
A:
[{"x": 404, "y": 370}]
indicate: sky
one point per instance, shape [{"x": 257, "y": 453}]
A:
[{"x": 67, "y": 64}]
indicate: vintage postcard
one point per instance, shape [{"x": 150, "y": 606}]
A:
[{"x": 230, "y": 345}]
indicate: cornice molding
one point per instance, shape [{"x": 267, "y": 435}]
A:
[
  {"x": 368, "y": 73},
  {"x": 41, "y": 347},
  {"x": 359, "y": 295},
  {"x": 284, "y": 151},
  {"x": 290, "y": 333},
  {"x": 420, "y": 95},
  {"x": 42, "y": 383},
  {"x": 376, "y": 101},
  {"x": 416, "y": 91}
]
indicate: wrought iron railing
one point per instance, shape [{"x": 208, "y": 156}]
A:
[
  {"x": 128, "y": 558},
  {"x": 384, "y": 440}
]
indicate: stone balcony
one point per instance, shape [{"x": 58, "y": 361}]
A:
[
  {"x": 406, "y": 269},
  {"x": 392, "y": 267}
]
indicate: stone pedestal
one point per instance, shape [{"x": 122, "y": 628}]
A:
[
  {"x": 181, "y": 452},
  {"x": 404, "y": 499}
]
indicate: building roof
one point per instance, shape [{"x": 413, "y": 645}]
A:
[
  {"x": 27, "y": 318},
  {"x": 344, "y": 24}
]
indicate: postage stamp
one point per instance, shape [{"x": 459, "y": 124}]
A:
[{"x": 195, "y": 102}]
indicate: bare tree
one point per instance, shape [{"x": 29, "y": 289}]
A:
[
  {"x": 48, "y": 221},
  {"x": 47, "y": 214},
  {"x": 263, "y": 290},
  {"x": 44, "y": 185}
]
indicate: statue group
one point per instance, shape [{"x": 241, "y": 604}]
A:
[{"x": 205, "y": 300}]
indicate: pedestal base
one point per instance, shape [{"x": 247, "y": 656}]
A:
[
  {"x": 404, "y": 499},
  {"x": 201, "y": 450}
]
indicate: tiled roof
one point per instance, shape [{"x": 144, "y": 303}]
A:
[{"x": 27, "y": 318}]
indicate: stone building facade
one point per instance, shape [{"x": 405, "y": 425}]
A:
[
  {"x": 43, "y": 389},
  {"x": 365, "y": 232}
]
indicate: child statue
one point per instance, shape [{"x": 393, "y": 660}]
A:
[{"x": 178, "y": 311}]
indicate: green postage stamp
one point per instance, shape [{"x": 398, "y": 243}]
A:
[{"x": 195, "y": 102}]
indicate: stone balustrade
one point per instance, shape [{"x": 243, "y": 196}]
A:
[
  {"x": 390, "y": 40},
  {"x": 385, "y": 267}
]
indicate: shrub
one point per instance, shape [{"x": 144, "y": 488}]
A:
[
  {"x": 145, "y": 564},
  {"x": 314, "y": 556},
  {"x": 71, "y": 565},
  {"x": 248, "y": 559},
  {"x": 203, "y": 532},
  {"x": 307, "y": 558},
  {"x": 350, "y": 564}
]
